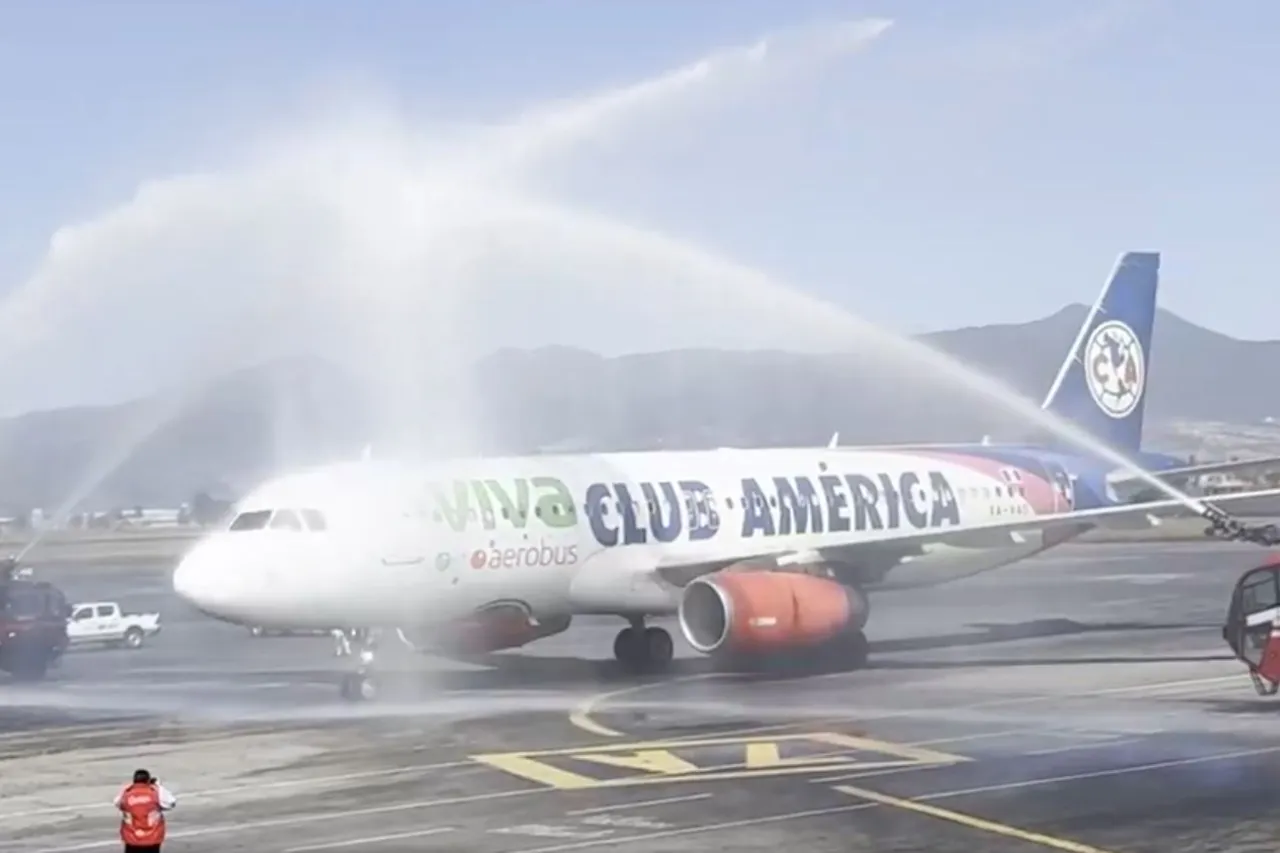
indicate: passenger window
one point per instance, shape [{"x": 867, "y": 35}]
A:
[
  {"x": 286, "y": 519},
  {"x": 82, "y": 614},
  {"x": 314, "y": 519},
  {"x": 105, "y": 610},
  {"x": 255, "y": 520}
]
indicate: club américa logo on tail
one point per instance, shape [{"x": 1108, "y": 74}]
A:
[{"x": 1114, "y": 368}]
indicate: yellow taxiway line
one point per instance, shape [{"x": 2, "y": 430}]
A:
[
  {"x": 970, "y": 821},
  {"x": 582, "y": 717}
]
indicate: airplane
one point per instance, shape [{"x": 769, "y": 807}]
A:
[{"x": 757, "y": 553}]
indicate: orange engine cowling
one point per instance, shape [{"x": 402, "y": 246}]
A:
[{"x": 758, "y": 611}]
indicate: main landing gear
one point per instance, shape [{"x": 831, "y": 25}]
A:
[
  {"x": 643, "y": 650},
  {"x": 361, "y": 685}
]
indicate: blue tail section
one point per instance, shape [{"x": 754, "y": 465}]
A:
[{"x": 1102, "y": 386}]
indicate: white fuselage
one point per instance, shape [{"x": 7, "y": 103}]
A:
[{"x": 386, "y": 544}]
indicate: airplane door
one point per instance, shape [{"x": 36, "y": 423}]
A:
[{"x": 1064, "y": 489}]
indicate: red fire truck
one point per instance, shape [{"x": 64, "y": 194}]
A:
[
  {"x": 33, "y": 623},
  {"x": 1253, "y": 624}
]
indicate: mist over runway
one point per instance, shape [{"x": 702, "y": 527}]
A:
[{"x": 1085, "y": 696}]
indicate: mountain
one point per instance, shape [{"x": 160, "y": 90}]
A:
[{"x": 162, "y": 450}]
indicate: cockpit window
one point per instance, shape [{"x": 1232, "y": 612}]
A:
[
  {"x": 314, "y": 519},
  {"x": 286, "y": 519},
  {"x": 280, "y": 519},
  {"x": 255, "y": 520}
]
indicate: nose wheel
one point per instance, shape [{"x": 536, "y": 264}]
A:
[
  {"x": 361, "y": 685},
  {"x": 644, "y": 650}
]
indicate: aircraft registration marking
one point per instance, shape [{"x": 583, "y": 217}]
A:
[{"x": 710, "y": 759}]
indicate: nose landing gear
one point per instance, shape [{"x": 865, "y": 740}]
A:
[{"x": 361, "y": 685}]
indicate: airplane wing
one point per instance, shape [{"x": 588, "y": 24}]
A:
[
  {"x": 1125, "y": 479},
  {"x": 989, "y": 534}
]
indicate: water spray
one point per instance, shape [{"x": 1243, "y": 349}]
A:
[
  {"x": 547, "y": 136},
  {"x": 31, "y": 312},
  {"x": 756, "y": 286},
  {"x": 252, "y": 334}
]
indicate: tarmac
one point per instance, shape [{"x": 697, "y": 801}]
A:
[{"x": 1083, "y": 701}]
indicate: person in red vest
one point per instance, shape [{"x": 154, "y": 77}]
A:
[{"x": 142, "y": 805}]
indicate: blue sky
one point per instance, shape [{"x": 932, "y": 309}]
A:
[{"x": 977, "y": 162}]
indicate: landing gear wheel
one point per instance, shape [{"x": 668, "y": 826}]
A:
[
  {"x": 359, "y": 687},
  {"x": 659, "y": 649},
  {"x": 626, "y": 648},
  {"x": 643, "y": 650}
]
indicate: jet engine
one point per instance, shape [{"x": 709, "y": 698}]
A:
[
  {"x": 759, "y": 612},
  {"x": 493, "y": 628}
]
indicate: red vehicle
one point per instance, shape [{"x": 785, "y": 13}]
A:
[
  {"x": 33, "y": 624},
  {"x": 1253, "y": 625}
]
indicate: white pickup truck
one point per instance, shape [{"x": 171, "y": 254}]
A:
[{"x": 103, "y": 622}]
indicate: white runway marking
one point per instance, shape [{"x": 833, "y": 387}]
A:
[
  {"x": 371, "y": 839},
  {"x": 640, "y": 805},
  {"x": 1138, "y": 578}
]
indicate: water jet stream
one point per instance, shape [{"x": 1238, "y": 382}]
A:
[
  {"x": 76, "y": 253},
  {"x": 151, "y": 414},
  {"x": 766, "y": 291},
  {"x": 752, "y": 289},
  {"x": 411, "y": 226},
  {"x": 285, "y": 173}
]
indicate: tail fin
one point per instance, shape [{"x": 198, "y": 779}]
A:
[{"x": 1102, "y": 386}]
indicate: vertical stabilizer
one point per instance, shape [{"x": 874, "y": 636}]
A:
[{"x": 1102, "y": 385}]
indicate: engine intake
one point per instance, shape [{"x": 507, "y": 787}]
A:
[{"x": 758, "y": 611}]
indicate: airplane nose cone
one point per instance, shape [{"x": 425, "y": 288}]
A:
[
  {"x": 196, "y": 579},
  {"x": 186, "y": 580}
]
